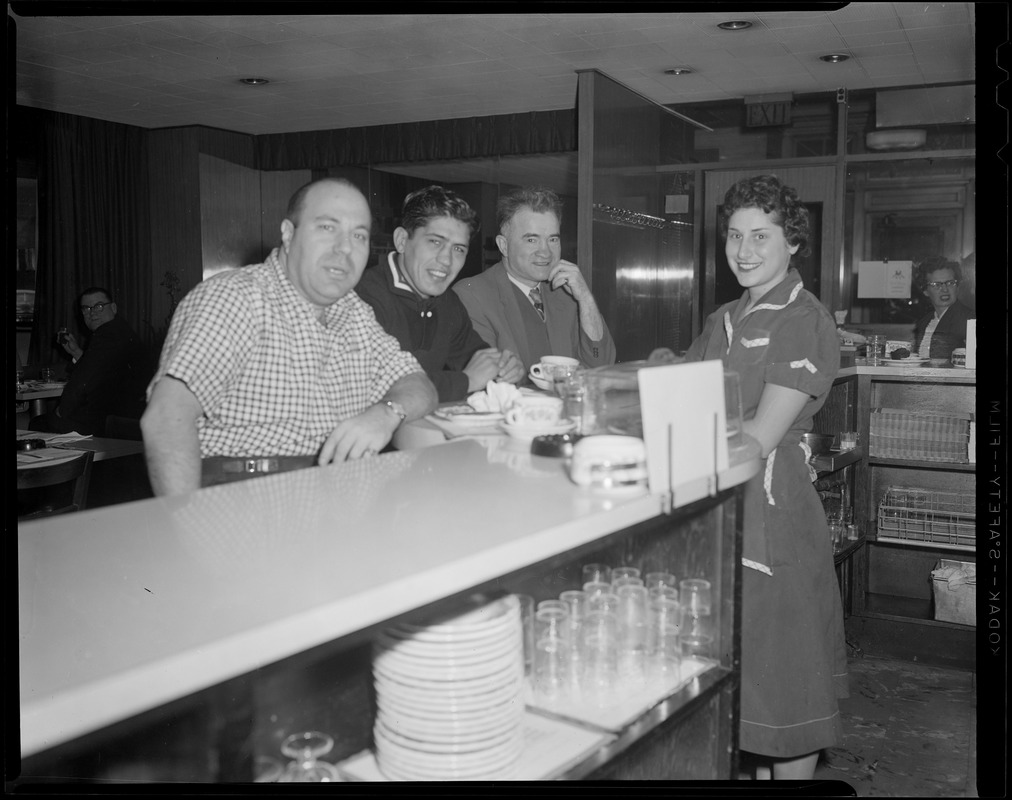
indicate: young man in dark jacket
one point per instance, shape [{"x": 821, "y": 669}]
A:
[{"x": 408, "y": 292}]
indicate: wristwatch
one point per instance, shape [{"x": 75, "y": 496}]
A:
[{"x": 397, "y": 408}]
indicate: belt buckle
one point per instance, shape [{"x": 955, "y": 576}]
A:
[{"x": 254, "y": 465}]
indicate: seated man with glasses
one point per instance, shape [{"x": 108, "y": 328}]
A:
[
  {"x": 937, "y": 334},
  {"x": 106, "y": 377}
]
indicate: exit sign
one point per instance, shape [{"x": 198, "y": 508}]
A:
[{"x": 758, "y": 115}]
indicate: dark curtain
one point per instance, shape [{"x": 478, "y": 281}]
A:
[
  {"x": 94, "y": 225},
  {"x": 472, "y": 137}
]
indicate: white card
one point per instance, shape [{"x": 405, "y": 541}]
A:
[{"x": 684, "y": 403}]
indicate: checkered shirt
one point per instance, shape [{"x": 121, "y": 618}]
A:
[{"x": 270, "y": 378}]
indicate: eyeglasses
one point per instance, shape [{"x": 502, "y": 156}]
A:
[
  {"x": 95, "y": 309},
  {"x": 940, "y": 284}
]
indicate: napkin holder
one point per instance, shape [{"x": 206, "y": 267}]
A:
[{"x": 684, "y": 429}]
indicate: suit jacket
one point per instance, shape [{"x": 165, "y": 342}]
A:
[
  {"x": 950, "y": 332},
  {"x": 493, "y": 305},
  {"x": 108, "y": 379}
]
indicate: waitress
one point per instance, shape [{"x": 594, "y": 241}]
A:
[{"x": 783, "y": 344}]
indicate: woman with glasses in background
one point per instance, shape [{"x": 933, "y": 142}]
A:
[{"x": 937, "y": 334}]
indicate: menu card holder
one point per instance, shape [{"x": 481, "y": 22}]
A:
[{"x": 684, "y": 429}]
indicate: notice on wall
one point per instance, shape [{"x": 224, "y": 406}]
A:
[{"x": 889, "y": 279}]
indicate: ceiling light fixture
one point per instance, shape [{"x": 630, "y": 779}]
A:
[
  {"x": 679, "y": 71},
  {"x": 834, "y": 58},
  {"x": 254, "y": 81},
  {"x": 735, "y": 25}
]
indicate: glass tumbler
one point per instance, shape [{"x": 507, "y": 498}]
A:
[
  {"x": 599, "y": 573},
  {"x": 732, "y": 408},
  {"x": 598, "y": 654},
  {"x": 576, "y": 602},
  {"x": 571, "y": 385},
  {"x": 664, "y": 638},
  {"x": 551, "y": 655},
  {"x": 624, "y": 572},
  {"x": 527, "y": 627},
  {"x": 876, "y": 349},
  {"x": 654, "y": 579},
  {"x": 632, "y": 629},
  {"x": 696, "y": 600}
]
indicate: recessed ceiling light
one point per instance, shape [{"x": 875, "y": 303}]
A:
[
  {"x": 735, "y": 25},
  {"x": 254, "y": 81},
  {"x": 679, "y": 71},
  {"x": 834, "y": 58}
]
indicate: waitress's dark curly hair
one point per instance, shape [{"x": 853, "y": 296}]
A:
[{"x": 766, "y": 192}]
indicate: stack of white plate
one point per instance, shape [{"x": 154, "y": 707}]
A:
[{"x": 449, "y": 696}]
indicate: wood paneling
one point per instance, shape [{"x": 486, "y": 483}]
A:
[
  {"x": 276, "y": 188},
  {"x": 175, "y": 216},
  {"x": 229, "y": 214}
]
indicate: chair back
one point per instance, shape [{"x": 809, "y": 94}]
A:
[{"x": 54, "y": 489}]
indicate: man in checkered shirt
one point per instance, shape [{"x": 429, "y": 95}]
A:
[{"x": 281, "y": 362}]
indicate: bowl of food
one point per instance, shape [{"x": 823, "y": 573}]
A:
[{"x": 818, "y": 443}]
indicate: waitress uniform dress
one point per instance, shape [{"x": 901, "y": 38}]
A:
[{"x": 793, "y": 650}]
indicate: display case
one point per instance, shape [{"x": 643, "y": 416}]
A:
[{"x": 193, "y": 634}]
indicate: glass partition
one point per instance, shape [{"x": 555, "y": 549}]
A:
[{"x": 637, "y": 223}]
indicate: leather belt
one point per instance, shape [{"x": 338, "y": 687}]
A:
[{"x": 217, "y": 469}]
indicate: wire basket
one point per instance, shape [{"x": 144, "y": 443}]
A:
[
  {"x": 918, "y": 436},
  {"x": 928, "y": 517}
]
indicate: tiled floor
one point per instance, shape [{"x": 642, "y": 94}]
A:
[{"x": 910, "y": 731}]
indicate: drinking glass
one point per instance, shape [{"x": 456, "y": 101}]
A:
[
  {"x": 571, "y": 385},
  {"x": 626, "y": 580},
  {"x": 664, "y": 637},
  {"x": 663, "y": 591},
  {"x": 624, "y": 572},
  {"x": 876, "y": 350},
  {"x": 632, "y": 629},
  {"x": 695, "y": 595},
  {"x": 527, "y": 627},
  {"x": 576, "y": 602},
  {"x": 551, "y": 655},
  {"x": 732, "y": 408},
  {"x": 696, "y": 600},
  {"x": 603, "y": 601},
  {"x": 598, "y": 654},
  {"x": 596, "y": 572},
  {"x": 656, "y": 579},
  {"x": 593, "y": 588},
  {"x": 304, "y": 749}
]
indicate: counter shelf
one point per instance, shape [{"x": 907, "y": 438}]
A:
[
  {"x": 890, "y": 582},
  {"x": 264, "y": 581}
]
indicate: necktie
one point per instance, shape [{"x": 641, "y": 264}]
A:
[{"x": 535, "y": 294}]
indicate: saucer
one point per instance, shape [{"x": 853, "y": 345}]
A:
[
  {"x": 913, "y": 361},
  {"x": 526, "y": 433},
  {"x": 541, "y": 383},
  {"x": 465, "y": 415}
]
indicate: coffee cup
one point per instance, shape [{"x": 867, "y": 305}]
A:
[
  {"x": 535, "y": 411},
  {"x": 544, "y": 368}
]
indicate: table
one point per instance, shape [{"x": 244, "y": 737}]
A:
[
  {"x": 103, "y": 448},
  {"x": 35, "y": 392}
]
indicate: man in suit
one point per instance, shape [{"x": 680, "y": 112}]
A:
[
  {"x": 937, "y": 334},
  {"x": 107, "y": 377},
  {"x": 535, "y": 303}
]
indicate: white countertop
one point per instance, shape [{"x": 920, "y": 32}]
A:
[{"x": 125, "y": 608}]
